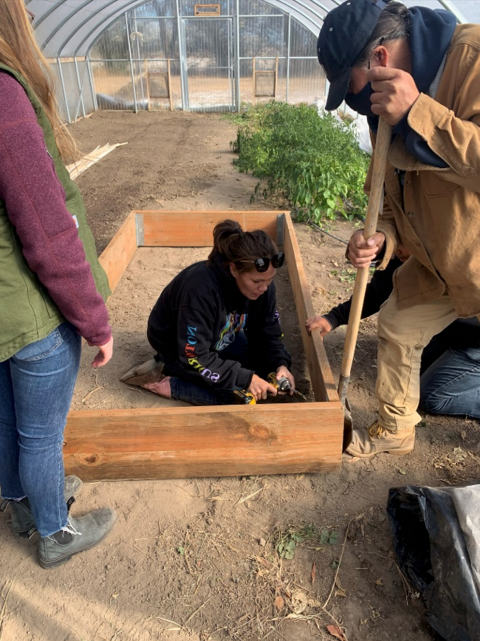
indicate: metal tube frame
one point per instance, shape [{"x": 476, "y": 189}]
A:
[
  {"x": 182, "y": 52},
  {"x": 133, "y": 59},
  {"x": 62, "y": 82},
  {"x": 132, "y": 73},
  {"x": 138, "y": 53},
  {"x": 287, "y": 87},
  {"x": 238, "y": 97},
  {"x": 150, "y": 18},
  {"x": 450, "y": 7},
  {"x": 279, "y": 57},
  {"x": 92, "y": 83},
  {"x": 231, "y": 52},
  {"x": 117, "y": 14},
  {"x": 80, "y": 91},
  {"x": 262, "y": 15}
]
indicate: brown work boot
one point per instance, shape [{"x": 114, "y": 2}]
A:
[
  {"x": 377, "y": 439},
  {"x": 149, "y": 376}
]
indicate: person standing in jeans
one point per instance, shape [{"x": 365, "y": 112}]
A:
[{"x": 52, "y": 291}]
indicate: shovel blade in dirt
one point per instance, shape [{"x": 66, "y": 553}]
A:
[{"x": 347, "y": 425}]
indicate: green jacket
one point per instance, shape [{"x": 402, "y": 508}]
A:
[{"x": 27, "y": 312}]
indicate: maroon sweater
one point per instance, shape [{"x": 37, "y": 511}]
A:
[{"x": 36, "y": 206}]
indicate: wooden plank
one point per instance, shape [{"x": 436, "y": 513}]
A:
[
  {"x": 204, "y": 441},
  {"x": 78, "y": 167},
  {"x": 119, "y": 252},
  {"x": 207, "y": 9},
  {"x": 194, "y": 228},
  {"x": 324, "y": 387}
]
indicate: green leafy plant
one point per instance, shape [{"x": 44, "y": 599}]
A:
[
  {"x": 329, "y": 536},
  {"x": 313, "y": 162},
  {"x": 287, "y": 541},
  {"x": 345, "y": 275}
]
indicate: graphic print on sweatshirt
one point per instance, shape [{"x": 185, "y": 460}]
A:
[
  {"x": 192, "y": 357},
  {"x": 235, "y": 323}
]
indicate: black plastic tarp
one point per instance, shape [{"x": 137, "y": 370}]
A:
[{"x": 436, "y": 537}]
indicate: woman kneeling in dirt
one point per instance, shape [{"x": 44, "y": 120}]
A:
[{"x": 215, "y": 326}]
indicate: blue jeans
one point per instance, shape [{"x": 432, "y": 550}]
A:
[
  {"x": 450, "y": 382},
  {"x": 195, "y": 395},
  {"x": 189, "y": 392},
  {"x": 36, "y": 388}
]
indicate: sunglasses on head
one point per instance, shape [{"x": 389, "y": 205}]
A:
[{"x": 262, "y": 264}]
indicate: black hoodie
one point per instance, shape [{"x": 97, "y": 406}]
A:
[
  {"x": 464, "y": 333},
  {"x": 198, "y": 315}
]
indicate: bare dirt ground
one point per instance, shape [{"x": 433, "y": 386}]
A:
[
  {"x": 198, "y": 560},
  {"x": 151, "y": 269}
]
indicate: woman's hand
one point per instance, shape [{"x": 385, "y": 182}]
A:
[
  {"x": 283, "y": 371},
  {"x": 260, "y": 388},
  {"x": 104, "y": 353},
  {"x": 320, "y": 322}
]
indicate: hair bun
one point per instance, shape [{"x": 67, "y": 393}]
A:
[
  {"x": 223, "y": 231},
  {"x": 232, "y": 244}
]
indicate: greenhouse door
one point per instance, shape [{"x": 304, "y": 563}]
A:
[{"x": 208, "y": 70}]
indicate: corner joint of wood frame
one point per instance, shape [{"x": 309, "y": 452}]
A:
[
  {"x": 139, "y": 229},
  {"x": 281, "y": 230}
]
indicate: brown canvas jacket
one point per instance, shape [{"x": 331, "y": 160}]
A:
[{"x": 439, "y": 218}]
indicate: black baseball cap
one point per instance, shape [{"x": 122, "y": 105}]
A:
[{"x": 344, "y": 34}]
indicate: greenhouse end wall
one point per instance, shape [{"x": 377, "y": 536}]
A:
[{"x": 178, "y": 54}]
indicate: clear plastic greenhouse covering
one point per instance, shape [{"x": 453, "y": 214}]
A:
[{"x": 69, "y": 28}]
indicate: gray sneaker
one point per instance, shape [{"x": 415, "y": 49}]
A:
[
  {"x": 23, "y": 525},
  {"x": 80, "y": 534}
]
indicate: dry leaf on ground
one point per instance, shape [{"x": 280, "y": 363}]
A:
[{"x": 335, "y": 631}]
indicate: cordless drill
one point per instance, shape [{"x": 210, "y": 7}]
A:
[
  {"x": 284, "y": 385},
  {"x": 243, "y": 397}
]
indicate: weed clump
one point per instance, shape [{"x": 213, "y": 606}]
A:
[{"x": 286, "y": 541}]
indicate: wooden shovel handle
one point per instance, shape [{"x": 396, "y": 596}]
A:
[{"x": 382, "y": 145}]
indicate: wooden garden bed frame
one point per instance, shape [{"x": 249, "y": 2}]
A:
[{"x": 187, "y": 442}]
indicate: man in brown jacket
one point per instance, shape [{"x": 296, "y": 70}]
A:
[{"x": 419, "y": 71}]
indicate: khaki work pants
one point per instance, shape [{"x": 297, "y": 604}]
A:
[{"x": 402, "y": 335}]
